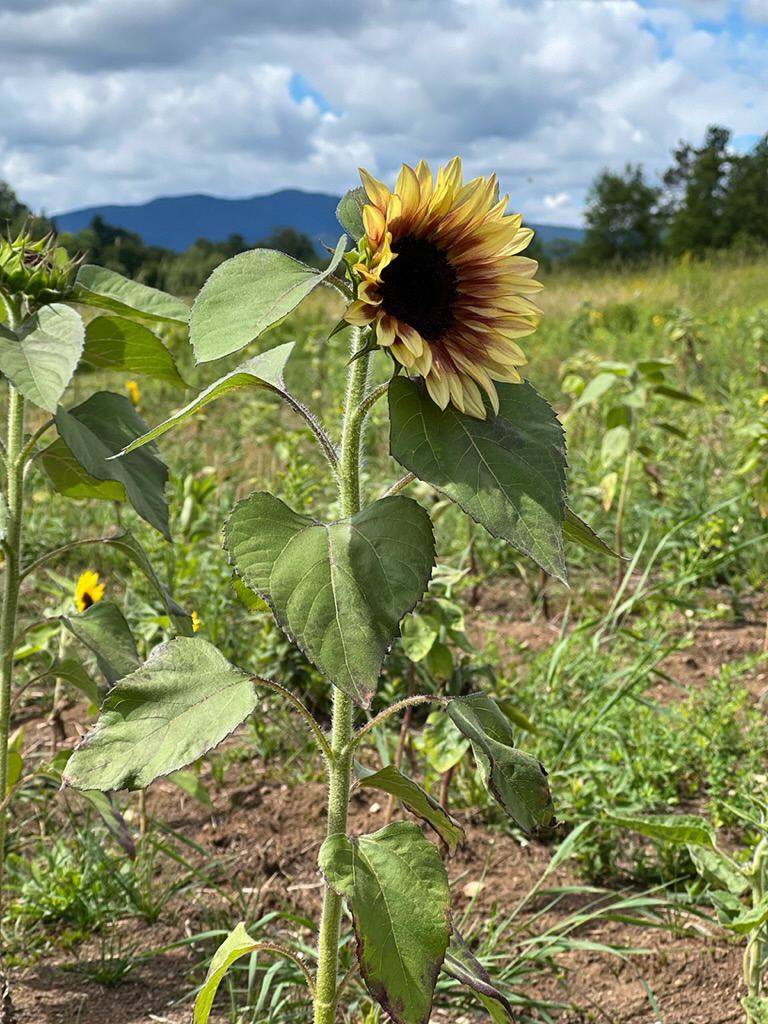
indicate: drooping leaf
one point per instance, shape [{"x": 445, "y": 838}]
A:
[
  {"x": 103, "y": 629},
  {"x": 677, "y": 395},
  {"x": 349, "y": 212},
  {"x": 444, "y": 745},
  {"x": 680, "y": 829},
  {"x": 397, "y": 890},
  {"x": 112, "y": 818},
  {"x": 715, "y": 869},
  {"x": 183, "y": 701},
  {"x": 40, "y": 358},
  {"x": 248, "y": 294},
  {"x": 264, "y": 371},
  {"x": 750, "y": 918},
  {"x": 69, "y": 478},
  {"x": 462, "y": 964},
  {"x": 596, "y": 388},
  {"x": 71, "y": 670},
  {"x": 130, "y": 546},
  {"x": 191, "y": 784},
  {"x": 106, "y": 289},
  {"x": 115, "y": 343},
  {"x": 391, "y": 780},
  {"x": 517, "y": 780},
  {"x": 507, "y": 472},
  {"x": 102, "y": 426},
  {"x": 339, "y": 589},
  {"x": 236, "y": 944},
  {"x": 577, "y": 530}
]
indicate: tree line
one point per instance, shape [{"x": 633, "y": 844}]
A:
[{"x": 710, "y": 198}]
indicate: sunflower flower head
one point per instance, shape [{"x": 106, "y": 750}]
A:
[
  {"x": 133, "y": 391},
  {"x": 440, "y": 279},
  {"x": 88, "y": 590}
]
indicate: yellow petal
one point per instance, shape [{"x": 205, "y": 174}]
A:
[
  {"x": 438, "y": 389},
  {"x": 377, "y": 192}
]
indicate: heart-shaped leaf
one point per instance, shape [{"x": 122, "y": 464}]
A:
[
  {"x": 461, "y": 963},
  {"x": 249, "y": 294},
  {"x": 396, "y": 886},
  {"x": 184, "y": 700},
  {"x": 69, "y": 478},
  {"x": 339, "y": 589},
  {"x": 40, "y": 358},
  {"x": 507, "y": 471}
]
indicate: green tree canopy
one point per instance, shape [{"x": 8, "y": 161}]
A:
[
  {"x": 624, "y": 217},
  {"x": 699, "y": 183}
]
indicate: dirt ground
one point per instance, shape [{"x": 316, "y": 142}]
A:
[{"x": 270, "y": 834}]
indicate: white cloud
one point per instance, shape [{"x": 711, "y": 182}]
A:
[{"x": 108, "y": 102}]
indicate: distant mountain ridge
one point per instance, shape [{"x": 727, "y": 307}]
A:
[{"x": 176, "y": 222}]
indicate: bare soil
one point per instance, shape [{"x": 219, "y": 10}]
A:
[{"x": 268, "y": 835}]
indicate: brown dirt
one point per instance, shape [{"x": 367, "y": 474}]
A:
[{"x": 269, "y": 835}]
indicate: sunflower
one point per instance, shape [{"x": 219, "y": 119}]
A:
[
  {"x": 440, "y": 279},
  {"x": 88, "y": 590}
]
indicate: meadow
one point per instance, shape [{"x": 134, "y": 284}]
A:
[{"x": 641, "y": 687}]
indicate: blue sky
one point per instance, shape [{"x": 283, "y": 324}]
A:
[{"x": 110, "y": 102}]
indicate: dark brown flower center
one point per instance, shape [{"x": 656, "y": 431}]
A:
[
  {"x": 87, "y": 600},
  {"x": 420, "y": 287}
]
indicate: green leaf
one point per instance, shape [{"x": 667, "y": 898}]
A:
[
  {"x": 678, "y": 396},
  {"x": 130, "y": 546},
  {"x": 419, "y": 632},
  {"x": 349, "y": 212},
  {"x": 517, "y": 780},
  {"x": 69, "y": 478},
  {"x": 418, "y": 801},
  {"x": 750, "y": 919},
  {"x": 596, "y": 388},
  {"x": 71, "y": 670},
  {"x": 680, "y": 829},
  {"x": 670, "y": 428},
  {"x": 717, "y": 870},
  {"x": 614, "y": 445},
  {"x": 103, "y": 629},
  {"x": 15, "y": 767},
  {"x": 183, "y": 701},
  {"x": 264, "y": 372},
  {"x": 103, "y": 425},
  {"x": 444, "y": 744},
  {"x": 248, "y": 294},
  {"x": 106, "y": 289},
  {"x": 397, "y": 890},
  {"x": 579, "y": 532},
  {"x": 238, "y": 943},
  {"x": 40, "y": 358},
  {"x": 462, "y": 964},
  {"x": 757, "y": 1008},
  {"x": 112, "y": 818},
  {"x": 439, "y": 661},
  {"x": 506, "y": 472},
  {"x": 191, "y": 784},
  {"x": 114, "y": 343},
  {"x": 338, "y": 590}
]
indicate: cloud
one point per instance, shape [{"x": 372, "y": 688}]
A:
[{"x": 107, "y": 102}]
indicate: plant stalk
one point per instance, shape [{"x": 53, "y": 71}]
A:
[
  {"x": 340, "y": 764},
  {"x": 11, "y": 587}
]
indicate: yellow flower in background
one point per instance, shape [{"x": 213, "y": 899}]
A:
[
  {"x": 596, "y": 316},
  {"x": 133, "y": 391},
  {"x": 657, "y": 321},
  {"x": 195, "y": 622},
  {"x": 88, "y": 590},
  {"x": 763, "y": 400},
  {"x": 441, "y": 279}
]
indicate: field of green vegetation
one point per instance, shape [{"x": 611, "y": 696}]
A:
[{"x": 617, "y": 683}]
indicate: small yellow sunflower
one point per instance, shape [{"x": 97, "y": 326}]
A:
[
  {"x": 88, "y": 590},
  {"x": 133, "y": 391},
  {"x": 196, "y": 622},
  {"x": 440, "y": 278}
]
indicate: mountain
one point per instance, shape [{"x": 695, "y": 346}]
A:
[{"x": 175, "y": 222}]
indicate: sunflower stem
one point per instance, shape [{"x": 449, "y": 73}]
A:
[
  {"x": 11, "y": 586},
  {"x": 340, "y": 761}
]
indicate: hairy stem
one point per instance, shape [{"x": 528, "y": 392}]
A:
[
  {"x": 11, "y": 585},
  {"x": 340, "y": 762}
]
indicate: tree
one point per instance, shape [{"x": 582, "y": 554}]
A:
[
  {"x": 292, "y": 243},
  {"x": 14, "y": 214},
  {"x": 745, "y": 205},
  {"x": 624, "y": 216},
  {"x": 698, "y": 186}
]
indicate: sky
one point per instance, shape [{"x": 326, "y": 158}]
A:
[{"x": 108, "y": 101}]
